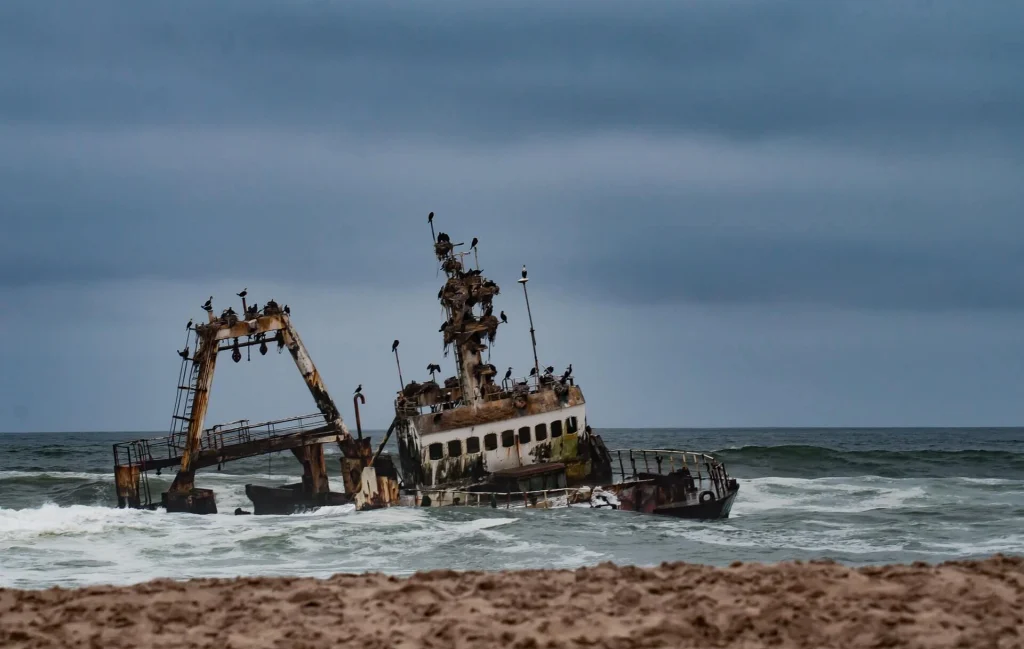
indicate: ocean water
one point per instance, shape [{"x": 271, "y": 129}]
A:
[{"x": 855, "y": 496}]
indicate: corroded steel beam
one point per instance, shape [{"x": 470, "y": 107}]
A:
[{"x": 311, "y": 376}]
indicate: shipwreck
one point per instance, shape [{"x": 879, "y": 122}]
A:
[{"x": 478, "y": 438}]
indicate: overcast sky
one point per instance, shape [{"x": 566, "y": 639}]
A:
[{"x": 759, "y": 213}]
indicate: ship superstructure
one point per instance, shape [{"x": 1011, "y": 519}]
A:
[{"x": 482, "y": 421}]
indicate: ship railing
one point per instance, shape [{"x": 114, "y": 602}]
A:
[
  {"x": 533, "y": 384},
  {"x": 160, "y": 450},
  {"x": 543, "y": 499},
  {"x": 629, "y": 465}
]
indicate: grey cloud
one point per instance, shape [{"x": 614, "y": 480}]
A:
[{"x": 845, "y": 70}]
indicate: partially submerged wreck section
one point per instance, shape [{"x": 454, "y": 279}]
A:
[
  {"x": 481, "y": 440},
  {"x": 369, "y": 482}
]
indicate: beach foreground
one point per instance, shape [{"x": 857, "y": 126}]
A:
[{"x": 819, "y": 604}]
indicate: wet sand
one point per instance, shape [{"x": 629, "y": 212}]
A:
[{"x": 961, "y": 604}]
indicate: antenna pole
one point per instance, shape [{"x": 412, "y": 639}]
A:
[
  {"x": 533, "y": 335},
  {"x": 400, "y": 380}
]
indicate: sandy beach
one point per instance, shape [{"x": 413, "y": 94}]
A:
[{"x": 820, "y": 604}]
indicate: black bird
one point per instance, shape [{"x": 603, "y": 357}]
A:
[
  {"x": 287, "y": 310},
  {"x": 440, "y": 293},
  {"x": 245, "y": 291},
  {"x": 504, "y": 318},
  {"x": 184, "y": 353},
  {"x": 533, "y": 372},
  {"x": 358, "y": 390},
  {"x": 430, "y": 217},
  {"x": 432, "y": 369},
  {"x": 508, "y": 374},
  {"x": 189, "y": 325},
  {"x": 549, "y": 370},
  {"x": 209, "y": 305},
  {"x": 475, "y": 241},
  {"x": 394, "y": 346},
  {"x": 569, "y": 371},
  {"x": 524, "y": 271}
]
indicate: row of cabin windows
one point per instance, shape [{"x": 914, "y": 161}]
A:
[{"x": 508, "y": 439}]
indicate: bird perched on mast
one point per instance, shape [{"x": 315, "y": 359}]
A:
[
  {"x": 359, "y": 390},
  {"x": 184, "y": 353},
  {"x": 394, "y": 346},
  {"x": 475, "y": 241},
  {"x": 508, "y": 374},
  {"x": 504, "y": 318},
  {"x": 524, "y": 271},
  {"x": 208, "y": 307},
  {"x": 189, "y": 325},
  {"x": 245, "y": 291}
]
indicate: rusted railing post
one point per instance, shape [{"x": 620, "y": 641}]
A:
[{"x": 355, "y": 404}]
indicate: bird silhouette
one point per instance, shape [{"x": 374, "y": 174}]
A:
[
  {"x": 394, "y": 346},
  {"x": 508, "y": 374},
  {"x": 358, "y": 390},
  {"x": 440, "y": 293},
  {"x": 189, "y": 325},
  {"x": 549, "y": 370},
  {"x": 287, "y": 310},
  {"x": 475, "y": 241},
  {"x": 524, "y": 271},
  {"x": 245, "y": 291},
  {"x": 504, "y": 318},
  {"x": 430, "y": 217},
  {"x": 444, "y": 325},
  {"x": 533, "y": 372},
  {"x": 184, "y": 353},
  {"x": 208, "y": 306}
]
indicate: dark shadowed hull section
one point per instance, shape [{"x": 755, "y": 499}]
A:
[
  {"x": 701, "y": 511},
  {"x": 290, "y": 499}
]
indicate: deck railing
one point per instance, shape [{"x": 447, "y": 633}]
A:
[
  {"x": 632, "y": 464},
  {"x": 147, "y": 452}
]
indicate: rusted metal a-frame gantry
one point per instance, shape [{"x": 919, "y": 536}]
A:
[{"x": 191, "y": 447}]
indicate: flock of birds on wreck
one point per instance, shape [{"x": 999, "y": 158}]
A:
[{"x": 253, "y": 311}]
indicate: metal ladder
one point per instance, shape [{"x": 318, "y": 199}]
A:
[{"x": 185, "y": 395}]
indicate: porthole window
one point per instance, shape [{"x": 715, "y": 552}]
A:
[
  {"x": 436, "y": 451},
  {"x": 491, "y": 441},
  {"x": 556, "y": 429},
  {"x": 473, "y": 445},
  {"x": 524, "y": 435},
  {"x": 508, "y": 438},
  {"x": 540, "y": 433},
  {"x": 455, "y": 448}
]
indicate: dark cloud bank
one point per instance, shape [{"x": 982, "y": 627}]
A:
[{"x": 768, "y": 157}]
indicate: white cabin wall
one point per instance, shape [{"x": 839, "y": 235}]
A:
[{"x": 501, "y": 458}]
